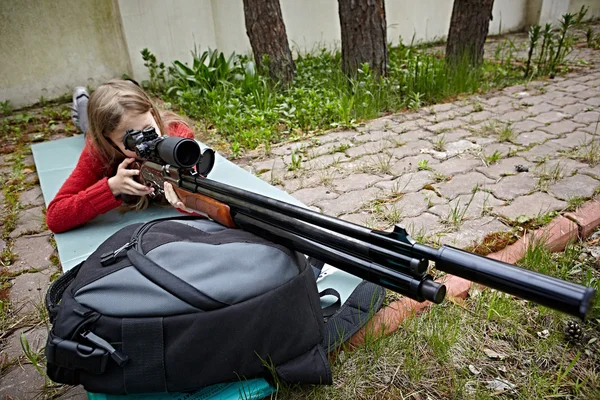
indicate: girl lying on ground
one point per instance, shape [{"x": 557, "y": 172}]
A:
[{"x": 102, "y": 179}]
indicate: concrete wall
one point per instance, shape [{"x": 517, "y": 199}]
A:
[{"x": 50, "y": 46}]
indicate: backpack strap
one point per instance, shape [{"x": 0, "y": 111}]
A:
[
  {"x": 58, "y": 287},
  {"x": 358, "y": 309}
]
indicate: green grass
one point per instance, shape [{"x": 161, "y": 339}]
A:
[
  {"x": 456, "y": 349},
  {"x": 246, "y": 110}
]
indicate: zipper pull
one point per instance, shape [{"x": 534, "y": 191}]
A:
[
  {"x": 111, "y": 257},
  {"x": 119, "y": 357}
]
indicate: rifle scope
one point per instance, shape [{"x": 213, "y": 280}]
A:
[{"x": 179, "y": 152}]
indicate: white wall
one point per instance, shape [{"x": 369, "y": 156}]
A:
[
  {"x": 48, "y": 47},
  {"x": 169, "y": 29}
]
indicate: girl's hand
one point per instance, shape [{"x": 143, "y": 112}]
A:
[
  {"x": 123, "y": 182},
  {"x": 172, "y": 198}
]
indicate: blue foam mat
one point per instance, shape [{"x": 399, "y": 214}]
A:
[{"x": 55, "y": 161}]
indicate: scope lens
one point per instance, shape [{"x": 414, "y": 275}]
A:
[{"x": 179, "y": 152}]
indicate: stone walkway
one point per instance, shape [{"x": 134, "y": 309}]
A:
[{"x": 451, "y": 173}]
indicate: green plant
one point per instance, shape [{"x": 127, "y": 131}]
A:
[
  {"x": 506, "y": 134},
  {"x": 423, "y": 165},
  {"x": 414, "y": 100},
  {"x": 6, "y": 107},
  {"x": 534, "y": 37},
  {"x": 35, "y": 358},
  {"x": 457, "y": 212},
  {"x": 493, "y": 158},
  {"x": 439, "y": 143},
  {"x": 296, "y": 161}
]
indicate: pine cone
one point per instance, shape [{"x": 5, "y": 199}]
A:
[{"x": 573, "y": 331}]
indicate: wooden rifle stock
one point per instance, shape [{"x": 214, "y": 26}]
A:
[{"x": 215, "y": 209}]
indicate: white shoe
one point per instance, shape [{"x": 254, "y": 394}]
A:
[{"x": 79, "y": 108}]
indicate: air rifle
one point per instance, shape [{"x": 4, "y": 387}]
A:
[{"x": 390, "y": 259}]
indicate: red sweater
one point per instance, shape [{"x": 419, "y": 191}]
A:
[{"x": 85, "y": 194}]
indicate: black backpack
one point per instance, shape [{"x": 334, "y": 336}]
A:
[{"x": 178, "y": 304}]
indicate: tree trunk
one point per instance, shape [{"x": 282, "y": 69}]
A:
[
  {"x": 364, "y": 35},
  {"x": 266, "y": 31},
  {"x": 469, "y": 27}
]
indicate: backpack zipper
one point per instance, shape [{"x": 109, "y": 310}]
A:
[{"x": 135, "y": 242}]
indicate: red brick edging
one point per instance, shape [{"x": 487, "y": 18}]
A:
[{"x": 556, "y": 235}]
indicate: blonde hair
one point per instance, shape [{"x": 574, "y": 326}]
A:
[{"x": 106, "y": 107}]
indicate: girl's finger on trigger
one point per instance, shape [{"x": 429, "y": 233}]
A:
[{"x": 131, "y": 172}]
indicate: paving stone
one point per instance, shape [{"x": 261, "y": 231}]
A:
[
  {"x": 32, "y": 197},
  {"x": 502, "y": 109},
  {"x": 591, "y": 170},
  {"x": 368, "y": 148},
  {"x": 593, "y": 101},
  {"x": 512, "y": 186},
  {"x": 287, "y": 148},
  {"x": 348, "y": 202},
  {"x": 327, "y": 148},
  {"x": 457, "y": 165},
  {"x": 549, "y": 117},
  {"x": 408, "y": 182},
  {"x": 412, "y": 204},
  {"x": 586, "y": 94},
  {"x": 30, "y": 220},
  {"x": 494, "y": 101},
  {"x": 446, "y": 125},
  {"x": 406, "y": 126},
  {"x": 310, "y": 196},
  {"x": 593, "y": 128},
  {"x": 471, "y": 232},
  {"x": 443, "y": 107},
  {"x": 411, "y": 164},
  {"x": 463, "y": 184},
  {"x": 453, "y": 149},
  {"x": 587, "y": 117},
  {"x": 574, "y": 109},
  {"x": 530, "y": 206},
  {"x": 514, "y": 116},
  {"x": 292, "y": 185},
  {"x": 34, "y": 252},
  {"x": 574, "y": 186},
  {"x": 454, "y": 135},
  {"x": 574, "y": 139},
  {"x": 527, "y": 138},
  {"x": 36, "y": 337},
  {"x": 575, "y": 88},
  {"x": 563, "y": 101},
  {"x": 336, "y": 136},
  {"x": 358, "y": 181},
  {"x": 466, "y": 206},
  {"x": 540, "y": 152},
  {"x": 503, "y": 167},
  {"x": 525, "y": 126},
  {"x": 373, "y": 136},
  {"x": 416, "y": 135},
  {"x": 29, "y": 289},
  {"x": 410, "y": 149},
  {"x": 260, "y": 167},
  {"x": 324, "y": 161},
  {"x": 478, "y": 116},
  {"x": 425, "y": 224},
  {"x": 561, "y": 127},
  {"x": 21, "y": 382},
  {"x": 363, "y": 218},
  {"x": 442, "y": 116},
  {"x": 564, "y": 166},
  {"x": 74, "y": 393},
  {"x": 503, "y": 148}
]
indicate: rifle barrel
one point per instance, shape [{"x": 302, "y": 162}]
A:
[
  {"x": 551, "y": 292},
  {"x": 420, "y": 289}
]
